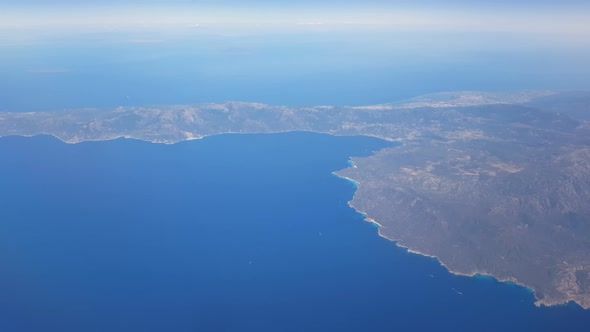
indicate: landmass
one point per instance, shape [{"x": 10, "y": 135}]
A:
[{"x": 495, "y": 184}]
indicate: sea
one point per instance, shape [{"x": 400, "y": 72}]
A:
[
  {"x": 237, "y": 232},
  {"x": 305, "y": 69},
  {"x": 227, "y": 233}
]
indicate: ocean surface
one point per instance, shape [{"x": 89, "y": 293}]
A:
[
  {"x": 228, "y": 233},
  {"x": 319, "y": 68}
]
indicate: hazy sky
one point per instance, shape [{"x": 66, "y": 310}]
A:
[
  {"x": 70, "y": 53},
  {"x": 446, "y": 3},
  {"x": 541, "y": 16}
]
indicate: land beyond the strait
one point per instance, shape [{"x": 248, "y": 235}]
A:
[{"x": 490, "y": 183}]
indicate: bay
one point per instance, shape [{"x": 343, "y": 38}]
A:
[{"x": 227, "y": 233}]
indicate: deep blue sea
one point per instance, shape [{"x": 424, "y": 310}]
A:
[{"x": 228, "y": 233}]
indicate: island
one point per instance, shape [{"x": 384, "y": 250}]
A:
[{"x": 494, "y": 184}]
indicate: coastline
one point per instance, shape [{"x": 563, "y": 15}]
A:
[
  {"x": 539, "y": 302},
  {"x": 366, "y": 218}
]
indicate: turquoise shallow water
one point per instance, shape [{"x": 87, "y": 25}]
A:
[{"x": 229, "y": 233}]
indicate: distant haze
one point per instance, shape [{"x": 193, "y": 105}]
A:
[
  {"x": 569, "y": 18},
  {"x": 68, "y": 55}
]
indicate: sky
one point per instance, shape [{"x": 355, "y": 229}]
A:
[
  {"x": 566, "y": 17},
  {"x": 324, "y": 52}
]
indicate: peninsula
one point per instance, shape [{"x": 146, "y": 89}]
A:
[{"x": 494, "y": 184}]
